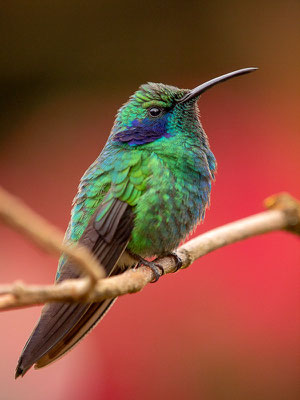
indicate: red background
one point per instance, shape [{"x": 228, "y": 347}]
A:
[{"x": 229, "y": 326}]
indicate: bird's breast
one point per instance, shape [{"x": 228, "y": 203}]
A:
[{"x": 174, "y": 202}]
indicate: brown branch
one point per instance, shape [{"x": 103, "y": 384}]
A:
[
  {"x": 284, "y": 214},
  {"x": 14, "y": 213}
]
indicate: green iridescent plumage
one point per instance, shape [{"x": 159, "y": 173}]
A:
[
  {"x": 143, "y": 195},
  {"x": 167, "y": 181}
]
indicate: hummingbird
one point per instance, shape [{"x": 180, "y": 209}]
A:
[{"x": 147, "y": 190}]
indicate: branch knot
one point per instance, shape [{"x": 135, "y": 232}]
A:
[{"x": 290, "y": 206}]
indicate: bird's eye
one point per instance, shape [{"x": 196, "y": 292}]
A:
[{"x": 155, "y": 112}]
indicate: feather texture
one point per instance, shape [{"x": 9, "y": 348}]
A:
[
  {"x": 147, "y": 190},
  {"x": 62, "y": 325}
]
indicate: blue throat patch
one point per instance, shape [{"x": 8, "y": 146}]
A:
[{"x": 141, "y": 132}]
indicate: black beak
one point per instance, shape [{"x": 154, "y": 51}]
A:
[{"x": 207, "y": 85}]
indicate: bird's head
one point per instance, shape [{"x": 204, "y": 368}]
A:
[{"x": 157, "y": 111}]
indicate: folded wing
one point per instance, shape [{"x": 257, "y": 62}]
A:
[{"x": 63, "y": 325}]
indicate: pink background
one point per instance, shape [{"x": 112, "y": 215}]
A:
[{"x": 229, "y": 326}]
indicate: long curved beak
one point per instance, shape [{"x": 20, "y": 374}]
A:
[{"x": 207, "y": 85}]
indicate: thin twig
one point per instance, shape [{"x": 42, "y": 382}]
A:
[
  {"x": 14, "y": 213},
  {"x": 284, "y": 214}
]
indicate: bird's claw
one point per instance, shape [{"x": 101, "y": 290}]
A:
[
  {"x": 157, "y": 269},
  {"x": 178, "y": 261}
]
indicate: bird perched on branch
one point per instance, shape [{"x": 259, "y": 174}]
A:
[{"x": 147, "y": 190}]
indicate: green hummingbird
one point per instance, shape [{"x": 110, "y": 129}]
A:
[{"x": 143, "y": 195}]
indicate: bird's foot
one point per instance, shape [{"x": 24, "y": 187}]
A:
[
  {"x": 178, "y": 260},
  {"x": 157, "y": 269}
]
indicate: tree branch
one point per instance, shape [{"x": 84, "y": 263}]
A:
[
  {"x": 14, "y": 213},
  {"x": 283, "y": 214}
]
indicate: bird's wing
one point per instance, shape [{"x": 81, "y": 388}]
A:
[{"x": 62, "y": 325}]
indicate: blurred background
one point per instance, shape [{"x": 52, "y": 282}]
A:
[{"x": 229, "y": 326}]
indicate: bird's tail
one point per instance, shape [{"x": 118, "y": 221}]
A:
[
  {"x": 63, "y": 325},
  {"x": 42, "y": 355}
]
